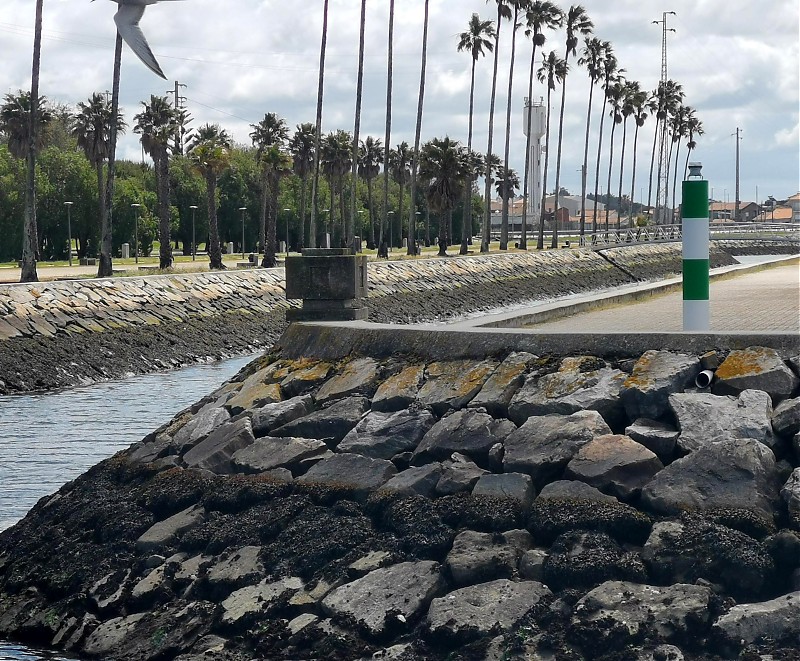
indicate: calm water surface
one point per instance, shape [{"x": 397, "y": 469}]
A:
[{"x": 49, "y": 439}]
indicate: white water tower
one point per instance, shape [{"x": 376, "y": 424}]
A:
[{"x": 536, "y": 110}]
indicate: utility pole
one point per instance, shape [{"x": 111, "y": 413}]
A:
[
  {"x": 736, "y": 204},
  {"x": 663, "y": 143},
  {"x": 179, "y": 105}
]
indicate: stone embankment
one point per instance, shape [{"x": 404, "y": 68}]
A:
[
  {"x": 59, "y": 334},
  {"x": 523, "y": 505}
]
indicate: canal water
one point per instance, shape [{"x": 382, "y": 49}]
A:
[{"x": 49, "y": 439}]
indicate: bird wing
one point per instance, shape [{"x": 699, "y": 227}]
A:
[{"x": 127, "y": 19}]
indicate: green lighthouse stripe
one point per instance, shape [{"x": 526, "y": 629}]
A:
[
  {"x": 695, "y": 199},
  {"x": 695, "y": 279}
]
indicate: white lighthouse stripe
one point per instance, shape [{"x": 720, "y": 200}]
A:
[
  {"x": 695, "y": 316},
  {"x": 695, "y": 238}
]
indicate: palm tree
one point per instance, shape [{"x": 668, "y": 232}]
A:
[
  {"x": 370, "y": 157},
  {"x": 475, "y": 40},
  {"x": 269, "y": 137},
  {"x": 475, "y": 169},
  {"x": 576, "y": 22},
  {"x": 666, "y": 99},
  {"x": 614, "y": 95},
  {"x": 209, "y": 152},
  {"x": 515, "y": 24},
  {"x": 506, "y": 185},
  {"x": 30, "y": 242},
  {"x": 628, "y": 107},
  {"x": 399, "y": 165},
  {"x": 336, "y": 157},
  {"x": 388, "y": 134},
  {"x": 680, "y": 130},
  {"x": 592, "y": 58},
  {"x": 503, "y": 12},
  {"x": 15, "y": 123},
  {"x": 553, "y": 69},
  {"x": 639, "y": 103},
  {"x": 348, "y": 223},
  {"x": 540, "y": 14},
  {"x": 312, "y": 232},
  {"x": 444, "y": 166},
  {"x": 694, "y": 127},
  {"x": 412, "y": 245},
  {"x": 301, "y": 147},
  {"x": 611, "y": 73},
  {"x": 157, "y": 124}
]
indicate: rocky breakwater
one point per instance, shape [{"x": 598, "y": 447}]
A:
[{"x": 523, "y": 506}]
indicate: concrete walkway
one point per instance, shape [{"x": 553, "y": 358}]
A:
[{"x": 763, "y": 301}]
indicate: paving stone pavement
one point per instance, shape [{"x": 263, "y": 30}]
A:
[{"x": 763, "y": 301}]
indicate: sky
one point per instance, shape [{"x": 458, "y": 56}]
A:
[{"x": 738, "y": 63}]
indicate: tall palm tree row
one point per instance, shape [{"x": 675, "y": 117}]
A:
[
  {"x": 630, "y": 88},
  {"x": 301, "y": 147},
  {"x": 694, "y": 127},
  {"x": 576, "y": 22},
  {"x": 503, "y": 12},
  {"x": 209, "y": 153},
  {"x": 680, "y": 130},
  {"x": 540, "y": 15},
  {"x": 638, "y": 102},
  {"x": 515, "y": 25},
  {"x": 551, "y": 73},
  {"x": 614, "y": 95},
  {"x": 666, "y": 98},
  {"x": 157, "y": 124},
  {"x": 269, "y": 137},
  {"x": 476, "y": 41},
  {"x": 443, "y": 165},
  {"x": 593, "y": 58}
]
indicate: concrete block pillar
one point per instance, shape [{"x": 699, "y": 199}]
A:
[{"x": 332, "y": 283}]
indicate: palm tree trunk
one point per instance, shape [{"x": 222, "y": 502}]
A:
[
  {"x": 400, "y": 212},
  {"x": 597, "y": 165},
  {"x": 262, "y": 229},
  {"x": 504, "y": 218},
  {"x": 633, "y": 174},
  {"x": 105, "y": 267},
  {"x": 371, "y": 214},
  {"x": 388, "y": 133},
  {"x": 444, "y": 239},
  {"x": 586, "y": 158},
  {"x": 610, "y": 165},
  {"x": 675, "y": 176},
  {"x": 312, "y": 231},
  {"x": 666, "y": 180},
  {"x": 523, "y": 242},
  {"x": 350, "y": 221},
  {"x": 466, "y": 222},
  {"x": 540, "y": 239},
  {"x": 621, "y": 172},
  {"x": 30, "y": 241},
  {"x": 301, "y": 230},
  {"x": 412, "y": 247},
  {"x": 214, "y": 249},
  {"x": 487, "y": 198},
  {"x": 652, "y": 167},
  {"x": 340, "y": 238},
  {"x": 271, "y": 245},
  {"x": 554, "y": 242},
  {"x": 162, "y": 185},
  {"x": 688, "y": 154}
]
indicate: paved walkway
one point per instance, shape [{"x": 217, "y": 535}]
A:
[{"x": 764, "y": 301}]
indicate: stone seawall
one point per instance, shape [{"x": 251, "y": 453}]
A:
[
  {"x": 530, "y": 503},
  {"x": 58, "y": 334}
]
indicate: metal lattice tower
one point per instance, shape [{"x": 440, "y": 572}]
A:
[{"x": 662, "y": 196}]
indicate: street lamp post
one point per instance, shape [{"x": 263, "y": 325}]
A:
[
  {"x": 391, "y": 217},
  {"x": 193, "y": 207},
  {"x": 287, "y": 231},
  {"x": 417, "y": 250},
  {"x": 242, "y": 209},
  {"x": 136, "y": 232},
  {"x": 69, "y": 231}
]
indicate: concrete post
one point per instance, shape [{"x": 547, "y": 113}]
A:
[{"x": 695, "y": 251}]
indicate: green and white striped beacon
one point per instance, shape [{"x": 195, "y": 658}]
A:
[{"x": 695, "y": 251}]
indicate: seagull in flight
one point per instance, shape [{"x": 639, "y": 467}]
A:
[{"x": 127, "y": 19}]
